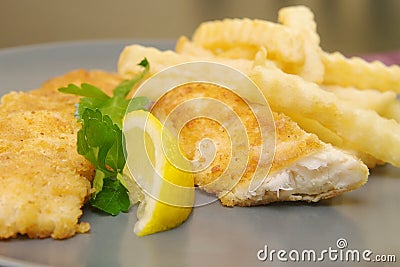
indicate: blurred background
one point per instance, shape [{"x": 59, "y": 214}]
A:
[{"x": 352, "y": 27}]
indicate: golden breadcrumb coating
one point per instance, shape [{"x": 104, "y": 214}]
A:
[
  {"x": 44, "y": 182},
  {"x": 303, "y": 167}
]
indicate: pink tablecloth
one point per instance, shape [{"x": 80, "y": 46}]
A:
[{"x": 389, "y": 58}]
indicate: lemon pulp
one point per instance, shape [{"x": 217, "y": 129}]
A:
[{"x": 155, "y": 164}]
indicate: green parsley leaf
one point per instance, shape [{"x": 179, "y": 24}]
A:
[
  {"x": 125, "y": 87},
  {"x": 98, "y": 182},
  {"x": 138, "y": 103},
  {"x": 86, "y": 90},
  {"x": 113, "y": 198},
  {"x": 100, "y": 140},
  {"x": 115, "y": 106}
]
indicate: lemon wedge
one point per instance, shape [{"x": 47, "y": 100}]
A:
[{"x": 158, "y": 168}]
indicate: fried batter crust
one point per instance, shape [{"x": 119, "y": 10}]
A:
[
  {"x": 302, "y": 167},
  {"x": 44, "y": 182}
]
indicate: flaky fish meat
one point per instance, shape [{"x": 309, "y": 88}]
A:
[
  {"x": 301, "y": 168},
  {"x": 44, "y": 182}
]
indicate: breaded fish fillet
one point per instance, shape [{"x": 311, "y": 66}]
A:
[
  {"x": 303, "y": 167},
  {"x": 44, "y": 182}
]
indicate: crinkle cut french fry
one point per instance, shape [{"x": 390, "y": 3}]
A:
[
  {"x": 301, "y": 19},
  {"x": 236, "y": 56},
  {"x": 185, "y": 47},
  {"x": 356, "y": 72},
  {"x": 244, "y": 51},
  {"x": 363, "y": 129},
  {"x": 326, "y": 135},
  {"x": 159, "y": 60},
  {"x": 385, "y": 104},
  {"x": 281, "y": 42},
  {"x": 313, "y": 126},
  {"x": 392, "y": 111}
]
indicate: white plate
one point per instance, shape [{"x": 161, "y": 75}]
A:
[{"x": 214, "y": 235}]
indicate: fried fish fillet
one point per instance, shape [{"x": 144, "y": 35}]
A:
[
  {"x": 302, "y": 167},
  {"x": 44, "y": 182}
]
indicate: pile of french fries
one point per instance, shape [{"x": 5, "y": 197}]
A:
[{"x": 347, "y": 102}]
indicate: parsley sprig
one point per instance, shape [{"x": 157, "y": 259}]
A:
[{"x": 100, "y": 140}]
